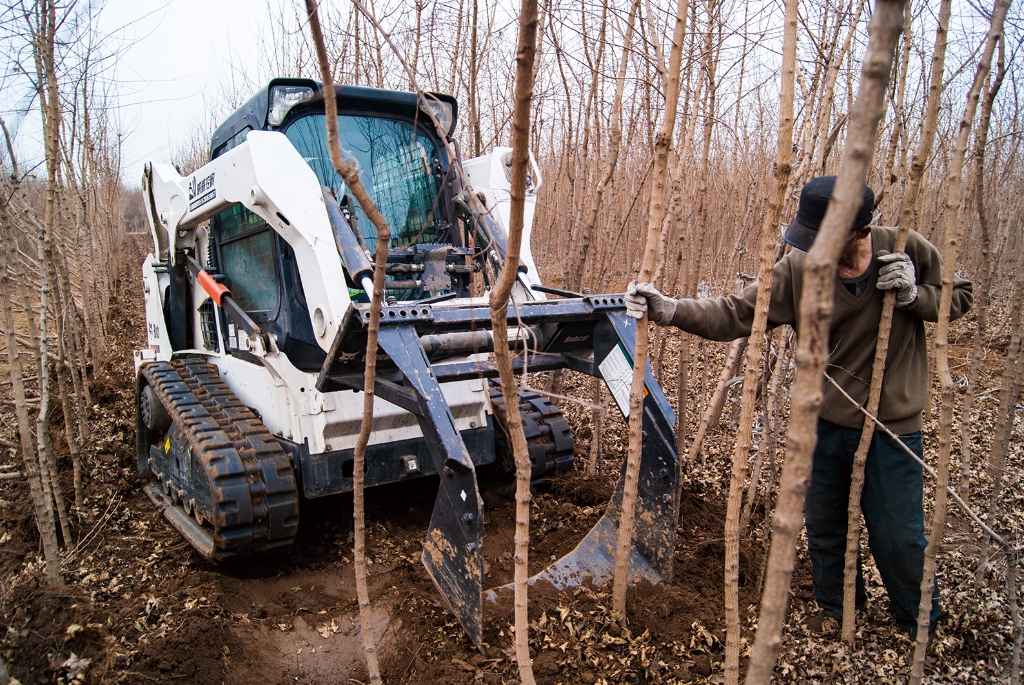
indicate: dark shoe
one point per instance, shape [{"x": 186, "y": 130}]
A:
[{"x": 822, "y": 624}]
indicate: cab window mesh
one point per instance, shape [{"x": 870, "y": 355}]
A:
[{"x": 396, "y": 166}]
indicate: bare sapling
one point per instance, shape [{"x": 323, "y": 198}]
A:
[
  {"x": 525, "y": 55},
  {"x": 755, "y": 351},
  {"x": 1005, "y": 414},
  {"x": 615, "y": 143},
  {"x": 984, "y": 273},
  {"x": 882, "y": 344},
  {"x": 831, "y": 74},
  {"x": 717, "y": 403},
  {"x": 813, "y": 321},
  {"x": 769, "y": 442},
  {"x": 350, "y": 174},
  {"x": 596, "y": 419},
  {"x": 899, "y": 123},
  {"x": 1012, "y": 559},
  {"x": 648, "y": 266},
  {"x": 43, "y": 508},
  {"x": 950, "y": 251},
  {"x": 43, "y": 44}
]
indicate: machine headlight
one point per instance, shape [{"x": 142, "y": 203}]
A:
[
  {"x": 283, "y": 98},
  {"x": 442, "y": 111}
]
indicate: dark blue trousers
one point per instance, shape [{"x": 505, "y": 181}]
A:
[{"x": 893, "y": 512}]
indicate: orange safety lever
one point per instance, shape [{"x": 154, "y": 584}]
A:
[{"x": 212, "y": 287}]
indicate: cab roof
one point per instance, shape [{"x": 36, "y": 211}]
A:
[{"x": 253, "y": 114}]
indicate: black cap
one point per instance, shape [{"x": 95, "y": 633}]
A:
[{"x": 813, "y": 202}]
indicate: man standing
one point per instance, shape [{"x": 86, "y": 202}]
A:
[{"x": 893, "y": 482}]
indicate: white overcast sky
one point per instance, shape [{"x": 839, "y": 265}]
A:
[
  {"x": 174, "y": 61},
  {"x": 178, "y": 56}
]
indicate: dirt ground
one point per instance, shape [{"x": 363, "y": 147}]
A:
[{"x": 140, "y": 606}]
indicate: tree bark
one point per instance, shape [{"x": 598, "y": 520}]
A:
[
  {"x": 755, "y": 348},
  {"x": 624, "y": 543},
  {"x": 351, "y": 176},
  {"x": 882, "y": 346},
  {"x": 984, "y": 275},
  {"x": 814, "y": 316},
  {"x": 525, "y": 54},
  {"x": 951, "y": 238},
  {"x": 714, "y": 409}
]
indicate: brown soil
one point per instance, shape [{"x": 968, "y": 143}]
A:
[{"x": 142, "y": 607}]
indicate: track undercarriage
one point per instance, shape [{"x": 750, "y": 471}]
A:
[{"x": 228, "y": 483}]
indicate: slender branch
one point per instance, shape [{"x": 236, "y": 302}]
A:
[
  {"x": 648, "y": 266},
  {"x": 350, "y": 174}
]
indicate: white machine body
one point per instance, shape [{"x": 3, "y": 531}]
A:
[{"x": 270, "y": 178}]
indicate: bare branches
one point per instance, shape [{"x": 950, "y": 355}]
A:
[
  {"x": 783, "y": 167},
  {"x": 648, "y": 266},
  {"x": 500, "y": 295},
  {"x": 950, "y": 251}
]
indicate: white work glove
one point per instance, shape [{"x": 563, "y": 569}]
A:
[
  {"x": 644, "y": 297},
  {"x": 897, "y": 273}
]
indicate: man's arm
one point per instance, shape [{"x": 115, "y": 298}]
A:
[{"x": 731, "y": 316}]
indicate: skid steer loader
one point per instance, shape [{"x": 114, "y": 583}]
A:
[{"x": 249, "y": 394}]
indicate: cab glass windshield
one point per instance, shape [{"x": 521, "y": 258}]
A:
[{"x": 395, "y": 163}]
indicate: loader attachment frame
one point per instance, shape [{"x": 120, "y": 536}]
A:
[{"x": 589, "y": 334}]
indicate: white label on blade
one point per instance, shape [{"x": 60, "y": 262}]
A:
[
  {"x": 463, "y": 494},
  {"x": 617, "y": 371}
]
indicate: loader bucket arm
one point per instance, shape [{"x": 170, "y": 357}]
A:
[{"x": 589, "y": 334}]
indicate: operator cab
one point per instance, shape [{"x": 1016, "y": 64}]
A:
[{"x": 404, "y": 167}]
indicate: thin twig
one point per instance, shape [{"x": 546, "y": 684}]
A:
[{"x": 956, "y": 497}]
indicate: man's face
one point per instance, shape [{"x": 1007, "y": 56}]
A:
[{"x": 857, "y": 235}]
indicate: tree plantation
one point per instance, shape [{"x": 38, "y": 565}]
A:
[{"x": 499, "y": 341}]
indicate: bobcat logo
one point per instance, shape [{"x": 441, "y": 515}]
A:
[{"x": 200, "y": 191}]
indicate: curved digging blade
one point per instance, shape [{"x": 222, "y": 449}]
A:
[
  {"x": 453, "y": 551},
  {"x": 657, "y": 508}
]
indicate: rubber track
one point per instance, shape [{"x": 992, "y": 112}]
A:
[
  {"x": 548, "y": 437},
  {"x": 255, "y": 498}
]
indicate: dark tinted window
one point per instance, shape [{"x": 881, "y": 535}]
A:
[
  {"x": 247, "y": 259},
  {"x": 395, "y": 162},
  {"x": 233, "y": 141}
]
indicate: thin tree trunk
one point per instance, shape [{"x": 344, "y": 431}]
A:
[
  {"x": 43, "y": 507},
  {"x": 755, "y": 348},
  {"x": 597, "y": 418},
  {"x": 589, "y": 228},
  {"x": 525, "y": 54},
  {"x": 888, "y": 176},
  {"x": 662, "y": 147},
  {"x": 984, "y": 276},
  {"x": 1005, "y": 414},
  {"x": 953, "y": 184},
  {"x": 814, "y": 316},
  {"x": 714, "y": 409},
  {"x": 882, "y": 350},
  {"x": 50, "y": 105},
  {"x": 770, "y": 439},
  {"x": 351, "y": 176},
  {"x": 831, "y": 73},
  {"x": 1011, "y": 597}
]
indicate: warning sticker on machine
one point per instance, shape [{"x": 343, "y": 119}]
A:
[{"x": 617, "y": 369}]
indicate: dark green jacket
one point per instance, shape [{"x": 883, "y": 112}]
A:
[{"x": 853, "y": 332}]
